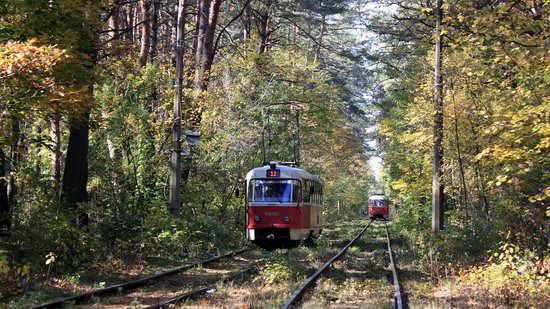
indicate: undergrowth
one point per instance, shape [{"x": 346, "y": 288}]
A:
[{"x": 512, "y": 277}]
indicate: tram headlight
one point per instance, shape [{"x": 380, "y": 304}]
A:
[
  {"x": 286, "y": 218},
  {"x": 256, "y": 218}
]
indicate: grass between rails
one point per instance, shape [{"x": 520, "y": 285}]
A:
[
  {"x": 360, "y": 279},
  {"x": 285, "y": 270}
]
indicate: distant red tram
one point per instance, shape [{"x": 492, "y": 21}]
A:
[
  {"x": 283, "y": 206},
  {"x": 378, "y": 206}
]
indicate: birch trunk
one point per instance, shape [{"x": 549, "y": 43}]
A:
[{"x": 55, "y": 161}]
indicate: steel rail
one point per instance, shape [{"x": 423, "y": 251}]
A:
[
  {"x": 394, "y": 272},
  {"x": 134, "y": 283},
  {"x": 298, "y": 292},
  {"x": 198, "y": 291}
]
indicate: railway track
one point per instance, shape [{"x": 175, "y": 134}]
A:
[
  {"x": 153, "y": 279},
  {"x": 199, "y": 291},
  {"x": 297, "y": 295},
  {"x": 397, "y": 295},
  {"x": 183, "y": 283}
]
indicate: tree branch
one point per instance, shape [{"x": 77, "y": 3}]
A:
[{"x": 214, "y": 50}]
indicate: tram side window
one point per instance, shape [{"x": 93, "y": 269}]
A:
[
  {"x": 318, "y": 193},
  {"x": 250, "y": 192},
  {"x": 296, "y": 190},
  {"x": 307, "y": 198},
  {"x": 315, "y": 194}
]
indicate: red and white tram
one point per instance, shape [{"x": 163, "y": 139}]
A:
[
  {"x": 283, "y": 205},
  {"x": 378, "y": 206}
]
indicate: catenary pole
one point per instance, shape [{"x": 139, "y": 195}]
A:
[{"x": 175, "y": 162}]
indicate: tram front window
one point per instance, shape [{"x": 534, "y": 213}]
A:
[
  {"x": 379, "y": 203},
  {"x": 272, "y": 191}
]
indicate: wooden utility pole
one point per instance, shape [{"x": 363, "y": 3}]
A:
[
  {"x": 175, "y": 163},
  {"x": 437, "y": 187}
]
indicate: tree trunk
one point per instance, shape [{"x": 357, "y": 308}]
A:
[
  {"x": 14, "y": 160},
  {"x": 208, "y": 19},
  {"x": 200, "y": 40},
  {"x": 263, "y": 27},
  {"x": 75, "y": 176},
  {"x": 145, "y": 6},
  {"x": 130, "y": 23},
  {"x": 479, "y": 172},
  {"x": 115, "y": 155},
  {"x": 137, "y": 20},
  {"x": 295, "y": 34},
  {"x": 451, "y": 200},
  {"x": 320, "y": 39},
  {"x": 55, "y": 161},
  {"x": 5, "y": 215},
  {"x": 464, "y": 193},
  {"x": 245, "y": 18},
  {"x": 200, "y": 24},
  {"x": 437, "y": 186},
  {"x": 208, "y": 52},
  {"x": 213, "y": 14},
  {"x": 166, "y": 27},
  {"x": 296, "y": 138},
  {"x": 114, "y": 20},
  {"x": 155, "y": 30}
]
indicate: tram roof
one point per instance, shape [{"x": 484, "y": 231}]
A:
[
  {"x": 378, "y": 197},
  {"x": 286, "y": 172}
]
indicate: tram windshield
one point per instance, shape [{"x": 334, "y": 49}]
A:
[
  {"x": 274, "y": 191},
  {"x": 377, "y": 203}
]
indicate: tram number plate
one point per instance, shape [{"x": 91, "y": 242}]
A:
[{"x": 271, "y": 213}]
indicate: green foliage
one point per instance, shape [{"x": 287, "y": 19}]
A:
[
  {"x": 136, "y": 304},
  {"x": 14, "y": 277},
  {"x": 276, "y": 270},
  {"x": 513, "y": 277},
  {"x": 466, "y": 244},
  {"x": 495, "y": 126}
]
